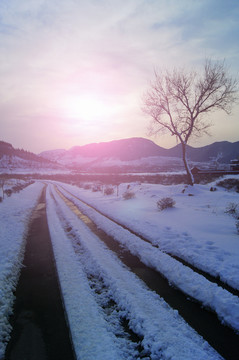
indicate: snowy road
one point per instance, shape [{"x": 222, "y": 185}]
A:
[
  {"x": 137, "y": 283},
  {"x": 112, "y": 309}
]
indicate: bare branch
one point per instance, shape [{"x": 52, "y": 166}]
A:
[{"x": 178, "y": 101}]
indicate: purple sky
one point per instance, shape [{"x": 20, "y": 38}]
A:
[{"x": 73, "y": 72}]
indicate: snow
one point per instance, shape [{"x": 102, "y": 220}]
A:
[
  {"x": 197, "y": 230},
  {"x": 14, "y": 217},
  {"x": 191, "y": 283},
  {"x": 16, "y": 165},
  {"x": 82, "y": 311},
  {"x": 164, "y": 332}
]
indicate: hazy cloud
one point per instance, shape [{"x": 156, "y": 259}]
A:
[{"x": 51, "y": 50}]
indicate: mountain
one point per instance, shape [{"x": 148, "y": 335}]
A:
[
  {"x": 53, "y": 155},
  {"x": 124, "y": 150},
  {"x": 224, "y": 150},
  {"x": 134, "y": 149},
  {"x": 133, "y": 154},
  {"x": 12, "y": 159}
]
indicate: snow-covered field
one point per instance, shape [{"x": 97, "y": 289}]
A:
[{"x": 197, "y": 229}]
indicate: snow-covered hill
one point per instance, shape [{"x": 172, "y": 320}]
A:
[
  {"x": 126, "y": 155},
  {"x": 21, "y": 161},
  {"x": 138, "y": 154},
  {"x": 53, "y": 155}
]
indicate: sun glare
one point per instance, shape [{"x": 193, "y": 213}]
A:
[{"x": 86, "y": 108}]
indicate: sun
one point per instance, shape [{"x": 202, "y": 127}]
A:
[{"x": 86, "y": 108}]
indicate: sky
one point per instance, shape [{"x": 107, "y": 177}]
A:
[{"x": 74, "y": 72}]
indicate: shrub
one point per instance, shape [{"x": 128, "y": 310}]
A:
[
  {"x": 96, "y": 188},
  {"x": 8, "y": 192},
  {"x": 109, "y": 191},
  {"x": 165, "y": 203},
  {"x": 232, "y": 209},
  {"x": 212, "y": 188},
  {"x": 237, "y": 226},
  {"x": 229, "y": 184},
  {"x": 16, "y": 188},
  {"x": 87, "y": 186},
  {"x": 128, "y": 195}
]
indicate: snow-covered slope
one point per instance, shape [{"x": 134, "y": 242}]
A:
[
  {"x": 21, "y": 161},
  {"x": 138, "y": 153},
  {"x": 15, "y": 164},
  {"x": 53, "y": 155}
]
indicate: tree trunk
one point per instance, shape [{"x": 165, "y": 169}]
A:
[
  {"x": 2, "y": 192},
  {"x": 187, "y": 168}
]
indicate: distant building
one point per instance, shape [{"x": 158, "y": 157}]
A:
[
  {"x": 232, "y": 168},
  {"x": 234, "y": 165},
  {"x": 195, "y": 170}
]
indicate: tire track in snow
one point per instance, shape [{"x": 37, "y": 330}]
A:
[
  {"x": 181, "y": 277},
  {"x": 205, "y": 274},
  {"x": 113, "y": 315},
  {"x": 220, "y": 337},
  {"x": 90, "y": 332},
  {"x": 165, "y": 334}
]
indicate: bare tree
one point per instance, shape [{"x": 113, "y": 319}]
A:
[
  {"x": 178, "y": 102},
  {"x": 2, "y": 182}
]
